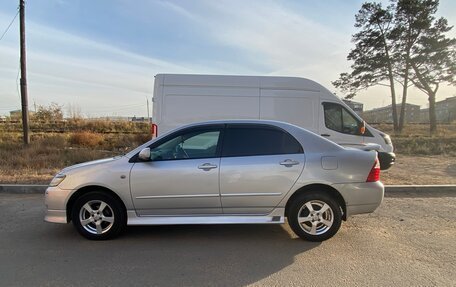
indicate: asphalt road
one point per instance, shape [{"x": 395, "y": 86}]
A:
[{"x": 408, "y": 241}]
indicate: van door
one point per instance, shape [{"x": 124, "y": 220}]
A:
[{"x": 339, "y": 125}]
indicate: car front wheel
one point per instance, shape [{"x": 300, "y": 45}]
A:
[
  {"x": 98, "y": 216},
  {"x": 314, "y": 216}
]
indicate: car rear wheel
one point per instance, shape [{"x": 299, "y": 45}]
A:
[
  {"x": 314, "y": 216},
  {"x": 98, "y": 216}
]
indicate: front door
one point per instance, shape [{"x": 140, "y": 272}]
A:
[{"x": 182, "y": 176}]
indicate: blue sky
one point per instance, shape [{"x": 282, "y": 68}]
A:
[{"x": 102, "y": 55}]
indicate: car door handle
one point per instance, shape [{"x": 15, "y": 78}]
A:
[
  {"x": 207, "y": 166},
  {"x": 325, "y": 135},
  {"x": 289, "y": 162}
]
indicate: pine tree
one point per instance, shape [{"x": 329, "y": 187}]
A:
[{"x": 372, "y": 57}]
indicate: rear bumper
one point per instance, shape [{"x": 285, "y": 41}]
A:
[
  {"x": 386, "y": 159},
  {"x": 361, "y": 197}
]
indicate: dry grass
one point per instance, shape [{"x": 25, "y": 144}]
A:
[
  {"x": 421, "y": 158},
  {"x": 86, "y": 139},
  {"x": 48, "y": 153},
  {"x": 419, "y": 130},
  {"x": 415, "y": 139},
  {"x": 77, "y": 125}
]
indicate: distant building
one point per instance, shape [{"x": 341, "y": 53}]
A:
[
  {"x": 112, "y": 118},
  {"x": 17, "y": 114},
  {"x": 357, "y": 107},
  {"x": 122, "y": 119},
  {"x": 384, "y": 114},
  {"x": 424, "y": 115},
  {"x": 445, "y": 111},
  {"x": 141, "y": 119}
]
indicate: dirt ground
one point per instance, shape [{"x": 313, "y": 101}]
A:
[{"x": 421, "y": 170}]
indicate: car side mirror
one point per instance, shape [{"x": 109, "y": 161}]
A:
[
  {"x": 144, "y": 154},
  {"x": 362, "y": 128}
]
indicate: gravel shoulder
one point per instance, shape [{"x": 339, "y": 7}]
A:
[
  {"x": 421, "y": 170},
  {"x": 408, "y": 241}
]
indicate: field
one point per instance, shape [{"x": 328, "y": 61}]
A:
[{"x": 421, "y": 159}]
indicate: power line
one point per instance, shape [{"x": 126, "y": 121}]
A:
[{"x": 7, "y": 28}]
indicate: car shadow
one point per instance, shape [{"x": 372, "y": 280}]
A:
[
  {"x": 208, "y": 255},
  {"x": 180, "y": 255},
  {"x": 188, "y": 255}
]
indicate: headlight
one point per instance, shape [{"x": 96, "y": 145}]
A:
[
  {"x": 57, "y": 179},
  {"x": 387, "y": 139}
]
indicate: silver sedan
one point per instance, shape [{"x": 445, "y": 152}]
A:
[{"x": 220, "y": 172}]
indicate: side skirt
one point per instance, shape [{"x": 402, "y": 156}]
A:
[{"x": 275, "y": 217}]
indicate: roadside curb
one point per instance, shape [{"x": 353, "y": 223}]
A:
[
  {"x": 23, "y": 188},
  {"x": 420, "y": 188},
  {"x": 389, "y": 189}
]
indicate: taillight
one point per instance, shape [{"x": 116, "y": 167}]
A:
[
  {"x": 154, "y": 130},
  {"x": 374, "y": 174}
]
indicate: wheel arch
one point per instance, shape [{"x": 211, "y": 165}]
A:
[
  {"x": 331, "y": 191},
  {"x": 86, "y": 189}
]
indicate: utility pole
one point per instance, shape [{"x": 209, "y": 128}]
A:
[{"x": 24, "y": 100}]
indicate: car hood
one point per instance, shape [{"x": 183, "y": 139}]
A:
[{"x": 90, "y": 163}]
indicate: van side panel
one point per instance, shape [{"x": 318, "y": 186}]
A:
[
  {"x": 188, "y": 104},
  {"x": 157, "y": 99},
  {"x": 211, "y": 81},
  {"x": 293, "y": 106}
]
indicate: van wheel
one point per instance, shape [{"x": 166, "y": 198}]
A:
[
  {"x": 314, "y": 216},
  {"x": 98, "y": 216}
]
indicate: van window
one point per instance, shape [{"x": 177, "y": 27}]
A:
[
  {"x": 252, "y": 141},
  {"x": 339, "y": 119}
]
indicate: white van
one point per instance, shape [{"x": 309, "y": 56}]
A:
[{"x": 185, "y": 99}]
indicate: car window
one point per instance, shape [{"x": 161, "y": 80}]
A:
[
  {"x": 251, "y": 141},
  {"x": 339, "y": 119},
  {"x": 199, "y": 144}
]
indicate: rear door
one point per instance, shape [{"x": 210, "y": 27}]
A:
[{"x": 259, "y": 165}]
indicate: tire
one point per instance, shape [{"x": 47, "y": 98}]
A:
[
  {"x": 98, "y": 216},
  {"x": 315, "y": 225}
]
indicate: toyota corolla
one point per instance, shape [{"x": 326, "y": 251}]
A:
[{"x": 220, "y": 172}]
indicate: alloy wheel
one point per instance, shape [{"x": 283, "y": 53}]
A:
[
  {"x": 315, "y": 217},
  {"x": 96, "y": 217}
]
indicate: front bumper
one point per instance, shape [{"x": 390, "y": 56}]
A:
[
  {"x": 362, "y": 197},
  {"x": 55, "y": 200},
  {"x": 386, "y": 159}
]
